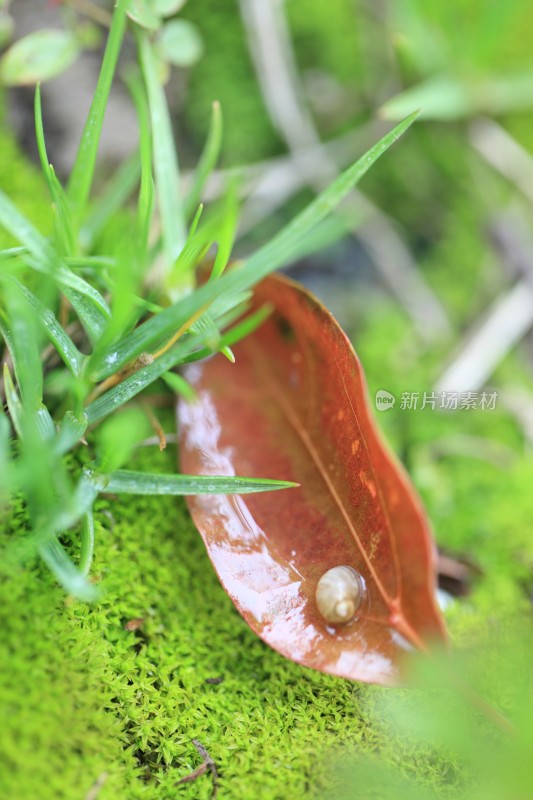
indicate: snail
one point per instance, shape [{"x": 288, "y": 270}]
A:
[{"x": 339, "y": 593}]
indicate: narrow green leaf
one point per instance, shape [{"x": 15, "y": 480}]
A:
[
  {"x": 47, "y": 262},
  {"x": 196, "y": 219},
  {"x": 136, "y": 383},
  {"x": 229, "y": 304},
  {"x": 447, "y": 97},
  {"x": 92, "y": 315},
  {"x": 66, "y": 573},
  {"x": 70, "y": 432},
  {"x": 73, "y": 506},
  {"x": 73, "y": 286},
  {"x": 6, "y": 466},
  {"x": 207, "y": 162},
  {"x": 181, "y": 277},
  {"x": 268, "y": 258},
  {"x": 45, "y": 424},
  {"x": 166, "y": 168},
  {"x": 440, "y": 97},
  {"x": 327, "y": 233},
  {"x": 81, "y": 176},
  {"x": 63, "y": 217},
  {"x": 280, "y": 250},
  {"x": 179, "y": 385},
  {"x": 14, "y": 405},
  {"x": 13, "y": 252},
  {"x": 21, "y": 228},
  {"x": 227, "y": 232},
  {"x": 130, "y": 482},
  {"x": 39, "y": 135},
  {"x": 206, "y": 328},
  {"x": 87, "y": 543},
  {"x": 115, "y": 194},
  {"x": 186, "y": 351},
  {"x": 59, "y": 338},
  {"x": 244, "y": 328},
  {"x": 227, "y": 352},
  {"x": 20, "y": 334},
  {"x": 91, "y": 263},
  {"x": 146, "y": 192}
]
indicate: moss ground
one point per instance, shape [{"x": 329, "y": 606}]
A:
[{"x": 84, "y": 699}]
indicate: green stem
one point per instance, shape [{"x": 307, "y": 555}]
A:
[
  {"x": 82, "y": 173},
  {"x": 87, "y": 543}
]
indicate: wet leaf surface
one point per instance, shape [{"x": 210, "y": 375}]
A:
[{"x": 294, "y": 407}]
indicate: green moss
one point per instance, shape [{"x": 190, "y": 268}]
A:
[
  {"x": 326, "y": 37},
  {"x": 226, "y": 74},
  {"x": 82, "y": 696}
]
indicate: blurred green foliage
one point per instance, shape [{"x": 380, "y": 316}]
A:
[
  {"x": 23, "y": 182},
  {"x": 225, "y": 74},
  {"x": 84, "y": 698}
]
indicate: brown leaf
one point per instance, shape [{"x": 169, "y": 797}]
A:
[{"x": 294, "y": 407}]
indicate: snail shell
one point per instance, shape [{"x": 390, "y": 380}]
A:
[{"x": 338, "y": 594}]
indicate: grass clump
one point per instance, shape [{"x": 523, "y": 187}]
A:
[{"x": 105, "y": 335}]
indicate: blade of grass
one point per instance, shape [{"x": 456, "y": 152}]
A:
[
  {"x": 7, "y": 477},
  {"x": 167, "y": 177},
  {"x": 279, "y": 251},
  {"x": 87, "y": 543},
  {"x": 113, "y": 198},
  {"x": 70, "y": 281},
  {"x": 64, "y": 345},
  {"x": 66, "y": 573},
  {"x": 136, "y": 383},
  {"x": 267, "y": 259},
  {"x": 70, "y": 432},
  {"x": 62, "y": 215},
  {"x": 14, "y": 406},
  {"x": 227, "y": 233},
  {"x": 22, "y": 339},
  {"x": 74, "y": 504},
  {"x": 130, "y": 482},
  {"x": 179, "y": 385},
  {"x": 182, "y": 353},
  {"x": 196, "y": 219},
  {"x": 45, "y": 259},
  {"x": 207, "y": 161},
  {"x": 92, "y": 316},
  {"x": 181, "y": 277},
  {"x": 234, "y": 335},
  {"x": 206, "y": 327},
  {"x": 81, "y": 176},
  {"x": 146, "y": 192},
  {"x": 90, "y": 263},
  {"x": 39, "y": 135},
  {"x": 45, "y": 424}
]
